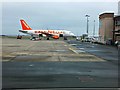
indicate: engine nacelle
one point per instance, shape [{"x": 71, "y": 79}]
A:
[
  {"x": 55, "y": 37},
  {"x": 61, "y": 35},
  {"x": 40, "y": 35}
]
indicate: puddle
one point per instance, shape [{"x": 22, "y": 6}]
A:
[
  {"x": 99, "y": 51},
  {"x": 73, "y": 44},
  {"x": 95, "y": 50},
  {"x": 92, "y": 46},
  {"x": 59, "y": 51},
  {"x": 80, "y": 51},
  {"x": 81, "y": 48},
  {"x": 89, "y": 46},
  {"x": 31, "y": 65}
]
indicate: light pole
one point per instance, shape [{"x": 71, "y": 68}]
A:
[
  {"x": 94, "y": 29},
  {"x": 87, "y": 23}
]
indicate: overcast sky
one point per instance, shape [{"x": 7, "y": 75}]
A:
[{"x": 54, "y": 15}]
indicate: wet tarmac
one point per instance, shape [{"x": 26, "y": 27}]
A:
[
  {"x": 54, "y": 64},
  {"x": 59, "y": 74},
  {"x": 106, "y": 52}
]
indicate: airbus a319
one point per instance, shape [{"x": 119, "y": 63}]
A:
[{"x": 55, "y": 34}]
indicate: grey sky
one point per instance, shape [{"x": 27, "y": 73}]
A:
[{"x": 53, "y": 15}]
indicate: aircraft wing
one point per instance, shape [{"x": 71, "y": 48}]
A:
[
  {"x": 51, "y": 35},
  {"x": 47, "y": 34}
]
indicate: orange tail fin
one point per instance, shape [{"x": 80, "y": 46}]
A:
[{"x": 25, "y": 26}]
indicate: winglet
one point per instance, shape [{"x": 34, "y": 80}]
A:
[{"x": 24, "y": 25}]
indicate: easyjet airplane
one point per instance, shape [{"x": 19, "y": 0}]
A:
[{"x": 55, "y": 34}]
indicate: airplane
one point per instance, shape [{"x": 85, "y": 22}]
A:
[{"x": 55, "y": 34}]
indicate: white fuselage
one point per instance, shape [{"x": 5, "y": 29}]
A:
[{"x": 53, "y": 32}]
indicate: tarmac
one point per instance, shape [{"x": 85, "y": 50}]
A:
[
  {"x": 44, "y": 50},
  {"x": 53, "y": 64}
]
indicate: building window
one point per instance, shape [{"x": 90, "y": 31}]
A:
[
  {"x": 117, "y": 23},
  {"x": 100, "y": 23}
]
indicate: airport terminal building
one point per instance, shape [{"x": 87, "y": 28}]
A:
[
  {"x": 109, "y": 28},
  {"x": 106, "y": 27},
  {"x": 116, "y": 31}
]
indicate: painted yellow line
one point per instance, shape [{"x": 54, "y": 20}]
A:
[
  {"x": 73, "y": 50},
  {"x": 5, "y": 60}
]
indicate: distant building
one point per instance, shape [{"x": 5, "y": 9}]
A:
[{"x": 106, "y": 26}]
